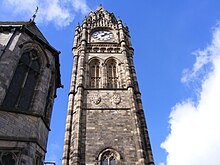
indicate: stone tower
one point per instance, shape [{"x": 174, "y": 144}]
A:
[
  {"x": 105, "y": 122},
  {"x": 29, "y": 77}
]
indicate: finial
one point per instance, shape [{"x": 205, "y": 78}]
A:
[
  {"x": 100, "y": 7},
  {"x": 77, "y": 26},
  {"x": 119, "y": 20},
  {"x": 84, "y": 23},
  {"x": 35, "y": 14}
]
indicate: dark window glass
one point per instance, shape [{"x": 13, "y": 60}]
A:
[
  {"x": 7, "y": 159},
  {"x": 14, "y": 89},
  {"x": 25, "y": 59},
  {"x": 105, "y": 162},
  {"x": 111, "y": 74},
  {"x": 35, "y": 66},
  {"x": 28, "y": 91},
  {"x": 112, "y": 162},
  {"x": 108, "y": 158},
  {"x": 21, "y": 89},
  {"x": 94, "y": 73}
]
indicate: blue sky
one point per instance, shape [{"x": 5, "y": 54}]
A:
[{"x": 177, "y": 60}]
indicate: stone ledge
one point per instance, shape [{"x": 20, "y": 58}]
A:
[{"x": 22, "y": 139}]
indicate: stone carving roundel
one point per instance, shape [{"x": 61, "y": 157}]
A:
[
  {"x": 116, "y": 99},
  {"x": 96, "y": 99}
]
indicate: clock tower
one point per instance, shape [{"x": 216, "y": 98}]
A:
[{"x": 105, "y": 122}]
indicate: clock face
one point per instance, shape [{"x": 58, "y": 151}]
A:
[{"x": 102, "y": 35}]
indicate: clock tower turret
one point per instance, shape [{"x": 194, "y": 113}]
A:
[{"x": 105, "y": 120}]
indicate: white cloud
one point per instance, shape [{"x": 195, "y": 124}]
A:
[
  {"x": 80, "y": 5},
  {"x": 194, "y": 137},
  {"x": 60, "y": 13}
]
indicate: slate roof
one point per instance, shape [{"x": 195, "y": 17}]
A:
[{"x": 29, "y": 25}]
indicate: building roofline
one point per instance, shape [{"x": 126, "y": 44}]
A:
[{"x": 30, "y": 28}]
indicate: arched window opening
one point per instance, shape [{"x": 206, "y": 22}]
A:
[
  {"x": 8, "y": 159},
  {"x": 112, "y": 78},
  {"x": 94, "y": 72},
  {"x": 21, "y": 89},
  {"x": 108, "y": 158}
]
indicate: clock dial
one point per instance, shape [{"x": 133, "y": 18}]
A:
[{"x": 102, "y": 35}]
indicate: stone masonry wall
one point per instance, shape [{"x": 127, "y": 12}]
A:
[
  {"x": 23, "y": 127},
  {"x": 108, "y": 122},
  {"x": 110, "y": 129}
]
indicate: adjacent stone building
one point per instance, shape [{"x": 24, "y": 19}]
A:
[
  {"x": 105, "y": 124},
  {"x": 29, "y": 77}
]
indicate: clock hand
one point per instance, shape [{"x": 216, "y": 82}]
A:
[{"x": 106, "y": 34}]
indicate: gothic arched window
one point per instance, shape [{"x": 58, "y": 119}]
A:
[
  {"x": 109, "y": 157},
  {"x": 8, "y": 158},
  {"x": 112, "y": 78},
  {"x": 94, "y": 73},
  {"x": 21, "y": 89}
]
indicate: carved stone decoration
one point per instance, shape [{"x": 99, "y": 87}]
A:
[
  {"x": 96, "y": 99},
  {"x": 116, "y": 99}
]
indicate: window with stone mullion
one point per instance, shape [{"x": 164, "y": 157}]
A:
[
  {"x": 94, "y": 73},
  {"x": 21, "y": 88},
  {"x": 112, "y": 74},
  {"x": 108, "y": 162},
  {"x": 108, "y": 158}
]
